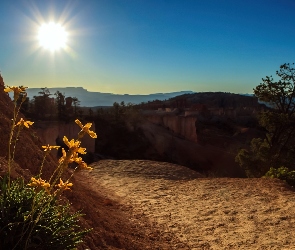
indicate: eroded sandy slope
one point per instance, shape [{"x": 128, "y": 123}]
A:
[{"x": 202, "y": 213}]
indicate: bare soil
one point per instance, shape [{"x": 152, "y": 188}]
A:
[{"x": 153, "y": 205}]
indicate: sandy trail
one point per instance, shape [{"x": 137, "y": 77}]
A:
[{"x": 202, "y": 213}]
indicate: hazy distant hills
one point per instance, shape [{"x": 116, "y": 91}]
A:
[{"x": 92, "y": 99}]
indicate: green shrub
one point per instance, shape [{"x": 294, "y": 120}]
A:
[
  {"x": 282, "y": 173},
  {"x": 32, "y": 219}
]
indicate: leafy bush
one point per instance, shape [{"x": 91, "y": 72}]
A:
[
  {"x": 256, "y": 160},
  {"x": 282, "y": 173}
]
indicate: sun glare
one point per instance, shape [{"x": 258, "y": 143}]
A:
[{"x": 52, "y": 36}]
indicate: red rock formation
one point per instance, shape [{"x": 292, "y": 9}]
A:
[
  {"x": 191, "y": 154},
  {"x": 181, "y": 125},
  {"x": 28, "y": 153}
]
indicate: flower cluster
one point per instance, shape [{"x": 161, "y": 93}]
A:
[
  {"x": 16, "y": 91},
  {"x": 74, "y": 147},
  {"x": 81, "y": 163},
  {"x": 64, "y": 185},
  {"x": 72, "y": 155},
  {"x": 39, "y": 183},
  {"x": 85, "y": 129},
  {"x": 22, "y": 123}
]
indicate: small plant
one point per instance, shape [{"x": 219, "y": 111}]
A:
[
  {"x": 282, "y": 173},
  {"x": 33, "y": 219},
  {"x": 32, "y": 214}
]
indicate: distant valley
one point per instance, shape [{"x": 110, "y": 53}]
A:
[{"x": 93, "y": 99}]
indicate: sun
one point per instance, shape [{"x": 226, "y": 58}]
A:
[{"x": 52, "y": 36}]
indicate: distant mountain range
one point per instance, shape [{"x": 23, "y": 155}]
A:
[{"x": 93, "y": 99}]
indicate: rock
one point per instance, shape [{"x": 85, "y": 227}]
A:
[
  {"x": 183, "y": 126},
  {"x": 28, "y": 152}
]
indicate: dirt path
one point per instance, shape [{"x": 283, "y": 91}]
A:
[{"x": 202, "y": 213}]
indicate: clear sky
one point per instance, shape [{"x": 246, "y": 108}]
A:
[{"x": 148, "y": 46}]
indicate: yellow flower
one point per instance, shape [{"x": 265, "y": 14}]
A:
[
  {"x": 39, "y": 183},
  {"x": 16, "y": 91},
  {"x": 86, "y": 129},
  {"x": 81, "y": 163},
  {"x": 63, "y": 157},
  {"x": 72, "y": 154},
  {"x": 81, "y": 151},
  {"x": 72, "y": 143},
  {"x": 48, "y": 148},
  {"x": 64, "y": 185},
  {"x": 22, "y": 122}
]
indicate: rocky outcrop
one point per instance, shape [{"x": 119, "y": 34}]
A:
[
  {"x": 28, "y": 152},
  {"x": 183, "y": 126}
]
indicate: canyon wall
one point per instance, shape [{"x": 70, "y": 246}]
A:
[
  {"x": 191, "y": 154},
  {"x": 52, "y": 131},
  {"x": 207, "y": 144},
  {"x": 183, "y": 126}
]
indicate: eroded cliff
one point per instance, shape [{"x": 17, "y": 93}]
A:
[{"x": 182, "y": 126}]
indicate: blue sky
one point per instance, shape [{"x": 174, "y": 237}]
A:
[{"x": 148, "y": 46}]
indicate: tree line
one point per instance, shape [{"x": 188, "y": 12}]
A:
[{"x": 47, "y": 106}]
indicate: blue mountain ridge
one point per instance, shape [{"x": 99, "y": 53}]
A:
[{"x": 92, "y": 99}]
